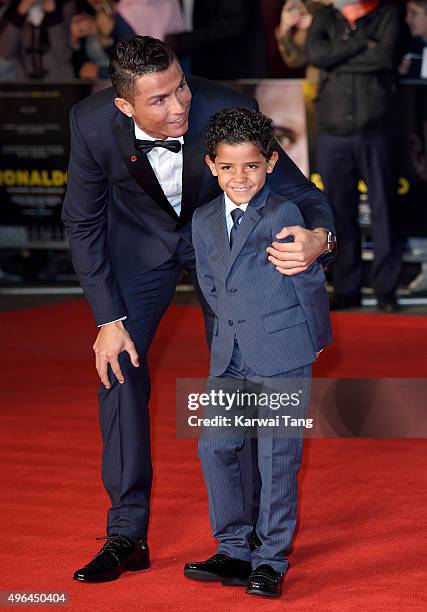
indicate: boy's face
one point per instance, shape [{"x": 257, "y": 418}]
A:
[
  {"x": 241, "y": 170},
  {"x": 416, "y": 18}
]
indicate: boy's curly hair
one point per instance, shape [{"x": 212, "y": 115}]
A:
[{"x": 237, "y": 125}]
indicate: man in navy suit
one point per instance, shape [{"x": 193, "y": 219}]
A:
[
  {"x": 135, "y": 177},
  {"x": 268, "y": 330}
]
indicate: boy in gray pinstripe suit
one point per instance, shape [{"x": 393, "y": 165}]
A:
[{"x": 268, "y": 330}]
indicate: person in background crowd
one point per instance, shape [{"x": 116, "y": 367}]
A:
[
  {"x": 225, "y": 40},
  {"x": 7, "y": 69},
  {"x": 270, "y": 15},
  {"x": 92, "y": 38},
  {"x": 418, "y": 153},
  {"x": 414, "y": 66},
  {"x": 102, "y": 24},
  {"x": 354, "y": 43},
  {"x": 36, "y": 33},
  {"x": 7, "y": 66},
  {"x": 291, "y": 34},
  {"x": 148, "y": 18},
  {"x": 414, "y": 62}
]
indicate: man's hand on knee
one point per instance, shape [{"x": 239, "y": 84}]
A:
[
  {"x": 112, "y": 340},
  {"x": 293, "y": 257}
]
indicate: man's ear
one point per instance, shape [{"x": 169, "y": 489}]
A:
[
  {"x": 124, "y": 106},
  {"x": 211, "y": 165},
  {"x": 272, "y": 162}
]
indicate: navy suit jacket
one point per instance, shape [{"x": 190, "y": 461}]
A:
[
  {"x": 278, "y": 321},
  {"x": 118, "y": 220}
]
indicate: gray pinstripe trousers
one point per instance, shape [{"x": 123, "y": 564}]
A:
[{"x": 279, "y": 459}]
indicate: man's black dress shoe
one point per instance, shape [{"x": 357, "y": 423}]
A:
[
  {"x": 119, "y": 554},
  {"x": 387, "y": 303},
  {"x": 219, "y": 568},
  {"x": 265, "y": 581}
]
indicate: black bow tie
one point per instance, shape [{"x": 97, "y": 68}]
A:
[{"x": 147, "y": 145}]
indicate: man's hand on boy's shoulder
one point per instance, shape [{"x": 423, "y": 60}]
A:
[{"x": 294, "y": 257}]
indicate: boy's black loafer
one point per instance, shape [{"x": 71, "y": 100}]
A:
[
  {"x": 265, "y": 581},
  {"x": 219, "y": 568}
]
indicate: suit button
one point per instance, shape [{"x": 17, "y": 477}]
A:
[
  {"x": 232, "y": 290},
  {"x": 230, "y": 322}
]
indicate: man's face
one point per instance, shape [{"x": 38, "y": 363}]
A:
[
  {"x": 161, "y": 103},
  {"x": 416, "y": 18},
  {"x": 241, "y": 170}
]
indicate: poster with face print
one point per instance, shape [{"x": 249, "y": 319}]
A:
[{"x": 283, "y": 101}]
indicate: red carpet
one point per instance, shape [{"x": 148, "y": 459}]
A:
[{"x": 363, "y": 502}]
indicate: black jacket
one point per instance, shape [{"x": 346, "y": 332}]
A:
[{"x": 357, "y": 83}]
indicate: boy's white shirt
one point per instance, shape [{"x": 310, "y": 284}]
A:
[{"x": 229, "y": 206}]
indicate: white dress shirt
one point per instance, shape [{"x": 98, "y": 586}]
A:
[
  {"x": 229, "y": 206},
  {"x": 167, "y": 167}
]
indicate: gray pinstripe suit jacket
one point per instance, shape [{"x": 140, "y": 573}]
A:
[{"x": 279, "y": 321}]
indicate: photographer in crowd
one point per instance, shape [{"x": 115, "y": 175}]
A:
[
  {"x": 36, "y": 34},
  {"x": 92, "y": 38}
]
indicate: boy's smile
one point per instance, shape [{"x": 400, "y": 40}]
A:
[{"x": 241, "y": 170}]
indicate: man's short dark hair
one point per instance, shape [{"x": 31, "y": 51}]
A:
[
  {"x": 239, "y": 125},
  {"x": 134, "y": 58}
]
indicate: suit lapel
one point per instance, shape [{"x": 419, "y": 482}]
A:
[
  {"x": 249, "y": 220},
  {"x": 140, "y": 169},
  {"x": 219, "y": 231}
]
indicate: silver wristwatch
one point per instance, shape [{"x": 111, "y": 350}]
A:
[{"x": 330, "y": 243}]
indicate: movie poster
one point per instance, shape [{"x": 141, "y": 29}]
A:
[
  {"x": 283, "y": 101},
  {"x": 34, "y": 150}
]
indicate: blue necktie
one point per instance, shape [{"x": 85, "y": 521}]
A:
[{"x": 236, "y": 215}]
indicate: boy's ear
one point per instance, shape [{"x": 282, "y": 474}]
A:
[
  {"x": 211, "y": 165},
  {"x": 272, "y": 162}
]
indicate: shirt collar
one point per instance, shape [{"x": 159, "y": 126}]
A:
[
  {"x": 229, "y": 205},
  {"x": 141, "y": 135}
]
